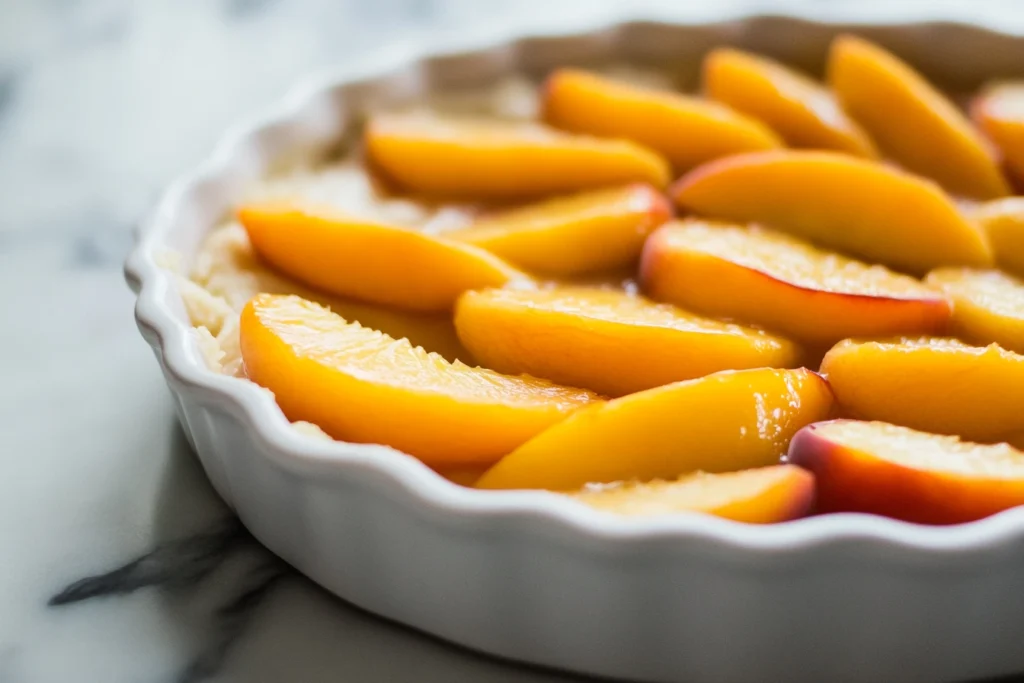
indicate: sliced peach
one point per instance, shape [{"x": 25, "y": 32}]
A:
[
  {"x": 1003, "y": 222},
  {"x": 999, "y": 112},
  {"x": 911, "y": 121},
  {"x": 688, "y": 131},
  {"x": 360, "y": 385},
  {"x": 989, "y": 305},
  {"x": 905, "y": 474},
  {"x": 228, "y": 268},
  {"x": 373, "y": 262},
  {"x": 938, "y": 385},
  {"x": 607, "y": 341},
  {"x": 591, "y": 232},
  {"x": 727, "y": 421},
  {"x": 759, "y": 496},
  {"x": 802, "y": 111},
  {"x": 852, "y": 205},
  {"x": 761, "y": 276},
  {"x": 502, "y": 160}
]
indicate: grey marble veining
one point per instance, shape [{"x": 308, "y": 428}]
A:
[{"x": 117, "y": 561}]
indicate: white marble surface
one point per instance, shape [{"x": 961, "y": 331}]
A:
[{"x": 101, "y": 101}]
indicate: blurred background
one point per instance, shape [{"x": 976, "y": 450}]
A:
[{"x": 102, "y": 102}]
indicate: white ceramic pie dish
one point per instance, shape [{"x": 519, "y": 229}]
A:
[{"x": 538, "y": 578}]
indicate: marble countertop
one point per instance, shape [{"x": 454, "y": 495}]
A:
[{"x": 119, "y": 563}]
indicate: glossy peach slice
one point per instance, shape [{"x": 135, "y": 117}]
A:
[
  {"x": 1003, "y": 222},
  {"x": 759, "y": 496},
  {"x": 784, "y": 284},
  {"x": 229, "y": 269},
  {"x": 360, "y": 385},
  {"x": 999, "y": 112},
  {"x": 591, "y": 232},
  {"x": 688, "y": 131},
  {"x": 911, "y": 121},
  {"x": 852, "y": 205},
  {"x": 463, "y": 476},
  {"x": 801, "y": 110},
  {"x": 906, "y": 474},
  {"x": 502, "y": 160},
  {"x": 724, "y": 422},
  {"x": 988, "y": 305},
  {"x": 937, "y": 385},
  {"x": 373, "y": 262},
  {"x": 607, "y": 341}
]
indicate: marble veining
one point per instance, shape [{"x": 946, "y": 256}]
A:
[{"x": 120, "y": 564}]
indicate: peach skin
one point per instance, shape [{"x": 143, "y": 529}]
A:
[
  {"x": 591, "y": 232},
  {"x": 727, "y": 421},
  {"x": 607, "y": 341},
  {"x": 856, "y": 206},
  {"x": 360, "y": 385},
  {"x": 911, "y": 121},
  {"x": 936, "y": 385},
  {"x": 905, "y": 474},
  {"x": 502, "y": 160},
  {"x": 1003, "y": 222},
  {"x": 770, "y": 279},
  {"x": 379, "y": 263},
  {"x": 988, "y": 305},
  {"x": 759, "y": 496},
  {"x": 999, "y": 112},
  {"x": 802, "y": 111},
  {"x": 688, "y": 131}
]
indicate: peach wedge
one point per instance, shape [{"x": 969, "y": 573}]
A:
[
  {"x": 591, "y": 232},
  {"x": 360, "y": 385},
  {"x": 759, "y": 496},
  {"x": 688, "y": 131},
  {"x": 229, "y": 268},
  {"x": 1003, "y": 221},
  {"x": 724, "y": 422},
  {"x": 756, "y": 275},
  {"x": 374, "y": 262},
  {"x": 905, "y": 474},
  {"x": 999, "y": 112},
  {"x": 804, "y": 112},
  {"x": 483, "y": 159},
  {"x": 607, "y": 341},
  {"x": 852, "y": 205},
  {"x": 988, "y": 305},
  {"x": 937, "y": 385},
  {"x": 911, "y": 121}
]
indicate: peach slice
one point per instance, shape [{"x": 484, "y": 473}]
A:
[
  {"x": 782, "y": 283},
  {"x": 905, "y": 474},
  {"x": 229, "y": 269},
  {"x": 727, "y": 421},
  {"x": 911, "y": 121},
  {"x": 502, "y": 160},
  {"x": 999, "y": 112},
  {"x": 591, "y": 232},
  {"x": 688, "y": 131},
  {"x": 937, "y": 385},
  {"x": 852, "y": 205},
  {"x": 1003, "y": 222},
  {"x": 759, "y": 496},
  {"x": 988, "y": 305},
  {"x": 373, "y": 262},
  {"x": 802, "y": 111},
  {"x": 607, "y": 341},
  {"x": 360, "y": 385}
]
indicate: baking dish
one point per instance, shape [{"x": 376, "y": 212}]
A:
[{"x": 530, "y": 576}]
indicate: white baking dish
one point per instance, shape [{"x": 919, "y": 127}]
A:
[{"x": 533, "y": 577}]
